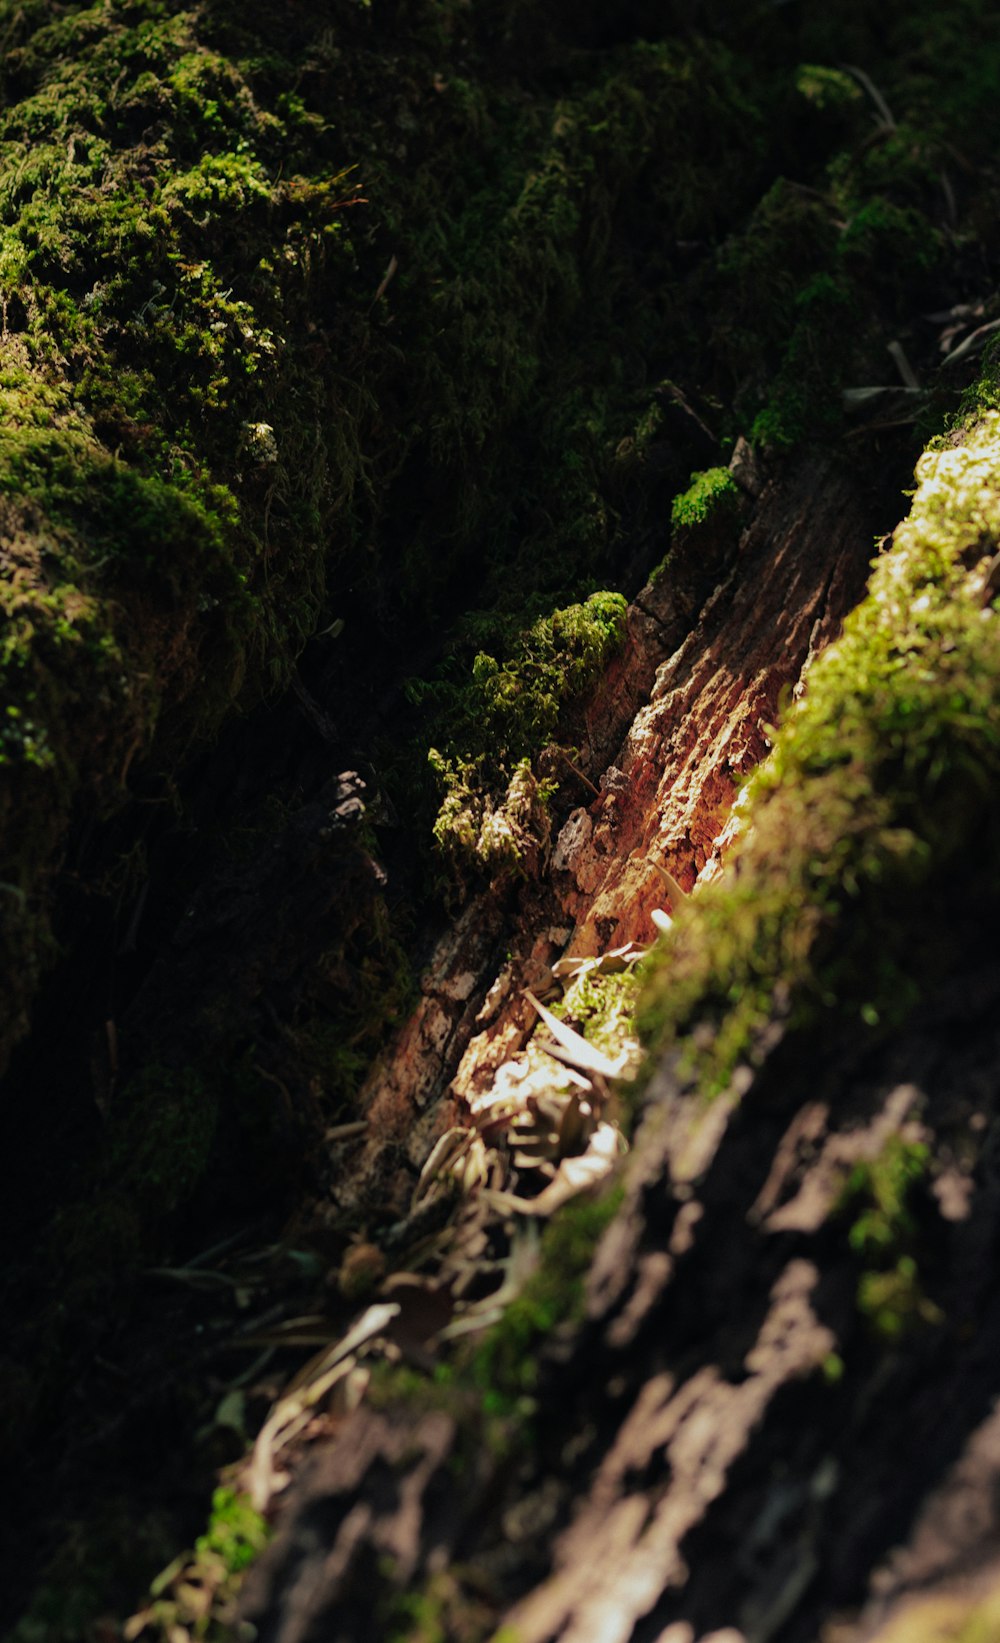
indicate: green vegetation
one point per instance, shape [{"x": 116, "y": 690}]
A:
[
  {"x": 505, "y": 1365},
  {"x": 879, "y": 1188},
  {"x": 876, "y": 796},
  {"x": 893, "y": 1300},
  {"x": 710, "y": 493},
  {"x": 442, "y": 1609},
  {"x": 493, "y": 812},
  {"x": 877, "y": 1194},
  {"x": 602, "y": 1004},
  {"x": 322, "y": 313},
  {"x": 193, "y": 1596},
  {"x": 315, "y": 315}
]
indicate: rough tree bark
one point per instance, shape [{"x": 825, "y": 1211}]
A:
[{"x": 748, "y": 1435}]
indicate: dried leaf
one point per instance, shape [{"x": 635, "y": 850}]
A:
[
  {"x": 517, "y": 1268},
  {"x": 678, "y": 894},
  {"x": 444, "y": 1155},
  {"x": 574, "y": 1175},
  {"x": 290, "y": 1414},
  {"x": 610, "y": 963},
  {"x": 576, "y": 1051}
]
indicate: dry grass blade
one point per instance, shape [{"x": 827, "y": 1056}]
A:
[
  {"x": 972, "y": 343},
  {"x": 191, "y": 1279},
  {"x": 346, "y": 1132},
  {"x": 885, "y": 116},
  {"x": 291, "y": 1414},
  {"x": 677, "y": 892},
  {"x": 575, "y": 1050},
  {"x": 447, "y": 1152},
  {"x": 517, "y": 1269},
  {"x": 610, "y": 963},
  {"x": 314, "y": 1329}
]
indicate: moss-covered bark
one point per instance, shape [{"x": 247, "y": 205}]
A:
[
  {"x": 434, "y": 321},
  {"x": 763, "y": 1396},
  {"x": 878, "y": 801}
]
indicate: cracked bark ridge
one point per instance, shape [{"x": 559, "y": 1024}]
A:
[
  {"x": 800, "y": 567},
  {"x": 711, "y": 643},
  {"x": 723, "y": 1445}
]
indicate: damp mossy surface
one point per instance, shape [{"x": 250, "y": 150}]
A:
[
  {"x": 709, "y": 494},
  {"x": 492, "y": 814},
  {"x": 876, "y": 796}
]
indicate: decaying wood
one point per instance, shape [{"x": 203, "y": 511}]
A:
[
  {"x": 800, "y": 568},
  {"x": 680, "y": 715},
  {"x": 700, "y": 1470}
]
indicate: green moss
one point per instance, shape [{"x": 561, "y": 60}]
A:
[
  {"x": 138, "y": 335},
  {"x": 196, "y": 213},
  {"x": 878, "y": 791},
  {"x": 893, "y": 1301},
  {"x": 710, "y": 493},
  {"x": 602, "y": 1005},
  {"x": 879, "y": 1188},
  {"x": 185, "y": 260},
  {"x": 493, "y": 813},
  {"x": 877, "y": 1197},
  {"x": 505, "y": 1365},
  {"x": 827, "y": 88},
  {"x": 442, "y": 1609},
  {"x": 194, "y": 1596},
  {"x": 236, "y": 1534}
]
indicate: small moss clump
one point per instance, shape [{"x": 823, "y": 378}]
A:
[
  {"x": 892, "y": 1300},
  {"x": 877, "y": 1196},
  {"x": 194, "y": 1596},
  {"x": 879, "y": 1188},
  {"x": 710, "y": 493},
  {"x": 493, "y": 812},
  {"x": 601, "y": 1004}
]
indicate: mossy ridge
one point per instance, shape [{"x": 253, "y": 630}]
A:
[
  {"x": 877, "y": 790},
  {"x": 711, "y": 492}
]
